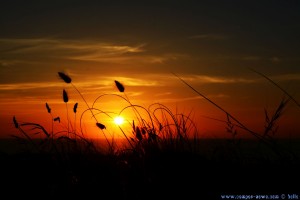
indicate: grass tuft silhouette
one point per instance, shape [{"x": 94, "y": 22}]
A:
[{"x": 161, "y": 154}]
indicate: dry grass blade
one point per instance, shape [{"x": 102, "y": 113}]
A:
[
  {"x": 37, "y": 126},
  {"x": 101, "y": 126},
  {"x": 75, "y": 107},
  {"x": 285, "y": 92},
  {"x": 15, "y": 122},
  {"x": 133, "y": 125},
  {"x": 268, "y": 142},
  {"x": 119, "y": 86},
  {"x": 48, "y": 108},
  {"x": 65, "y": 77},
  {"x": 65, "y": 96},
  {"x": 223, "y": 110}
]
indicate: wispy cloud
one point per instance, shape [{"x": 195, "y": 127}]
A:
[
  {"x": 27, "y": 86},
  {"x": 61, "y": 48},
  {"x": 43, "y": 49},
  {"x": 206, "y": 79},
  {"x": 100, "y": 82},
  {"x": 286, "y": 77},
  {"x": 216, "y": 79},
  {"x": 273, "y": 59},
  {"x": 153, "y": 80},
  {"x": 183, "y": 99},
  {"x": 25, "y": 45},
  {"x": 136, "y": 81}
]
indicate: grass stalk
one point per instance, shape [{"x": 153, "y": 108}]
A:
[
  {"x": 266, "y": 141},
  {"x": 278, "y": 86}
]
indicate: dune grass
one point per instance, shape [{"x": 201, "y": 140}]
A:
[{"x": 159, "y": 146}]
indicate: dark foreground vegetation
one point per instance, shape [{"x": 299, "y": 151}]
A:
[
  {"x": 164, "y": 159},
  {"x": 155, "y": 175}
]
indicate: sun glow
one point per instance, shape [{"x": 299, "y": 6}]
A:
[{"x": 119, "y": 120}]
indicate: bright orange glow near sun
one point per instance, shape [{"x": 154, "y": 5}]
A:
[{"x": 119, "y": 120}]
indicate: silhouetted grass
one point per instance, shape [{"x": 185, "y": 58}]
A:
[
  {"x": 163, "y": 155},
  {"x": 265, "y": 137}
]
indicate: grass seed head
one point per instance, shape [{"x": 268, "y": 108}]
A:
[
  {"x": 101, "y": 126},
  {"x": 48, "y": 108},
  {"x": 64, "y": 77},
  {"x": 57, "y": 119},
  {"x": 75, "y": 107},
  {"x": 65, "y": 96},
  {"x": 119, "y": 86}
]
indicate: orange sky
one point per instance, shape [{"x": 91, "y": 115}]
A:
[
  {"x": 246, "y": 101},
  {"x": 210, "y": 46}
]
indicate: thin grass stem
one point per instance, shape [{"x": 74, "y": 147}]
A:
[{"x": 278, "y": 86}]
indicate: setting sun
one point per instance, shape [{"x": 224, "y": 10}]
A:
[{"x": 119, "y": 120}]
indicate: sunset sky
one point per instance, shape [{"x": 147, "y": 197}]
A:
[{"x": 210, "y": 44}]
